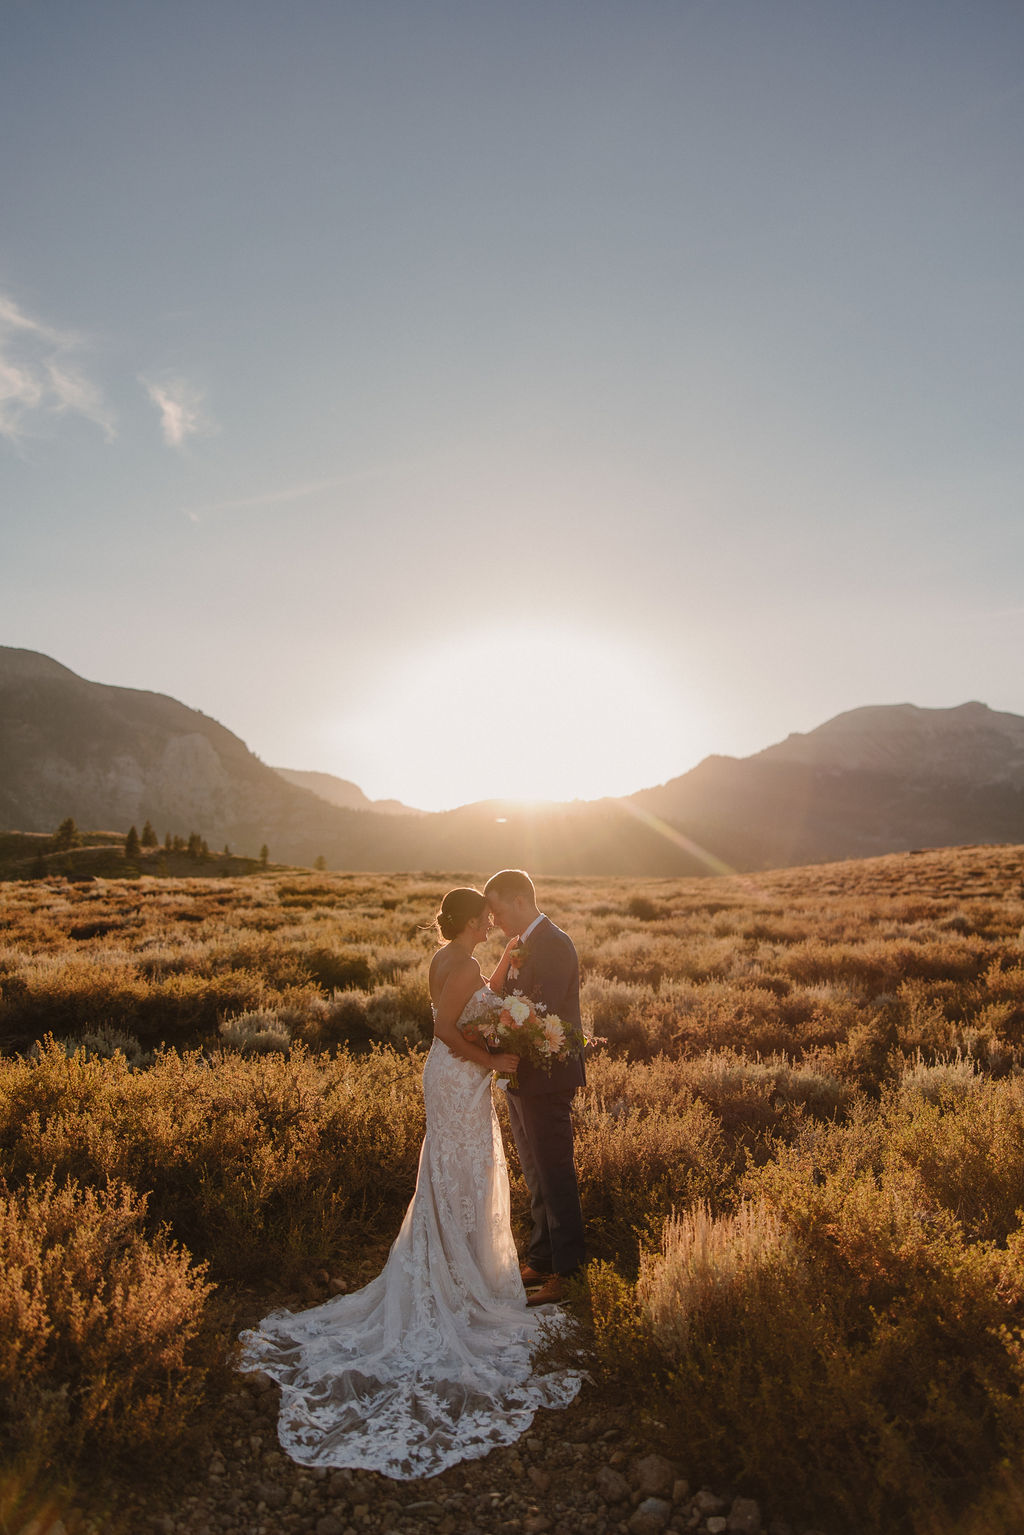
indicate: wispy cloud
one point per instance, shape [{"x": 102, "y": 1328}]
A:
[
  {"x": 287, "y": 493},
  {"x": 181, "y": 409},
  {"x": 38, "y": 375},
  {"x": 272, "y": 497}
]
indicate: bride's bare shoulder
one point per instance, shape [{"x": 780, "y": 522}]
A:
[{"x": 451, "y": 968}]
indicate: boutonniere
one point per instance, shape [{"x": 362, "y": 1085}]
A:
[{"x": 515, "y": 961}]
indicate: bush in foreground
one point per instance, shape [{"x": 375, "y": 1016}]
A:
[
  {"x": 844, "y": 1344},
  {"x": 101, "y": 1323}
]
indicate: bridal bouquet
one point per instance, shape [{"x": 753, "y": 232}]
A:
[{"x": 527, "y": 1029}]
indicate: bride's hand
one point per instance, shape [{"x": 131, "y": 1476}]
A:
[
  {"x": 499, "y": 975},
  {"x": 505, "y": 1062}
]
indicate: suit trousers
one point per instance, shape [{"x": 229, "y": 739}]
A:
[{"x": 542, "y": 1130}]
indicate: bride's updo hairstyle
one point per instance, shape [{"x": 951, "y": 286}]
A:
[{"x": 459, "y": 908}]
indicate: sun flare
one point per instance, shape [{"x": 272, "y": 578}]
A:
[{"x": 522, "y": 714}]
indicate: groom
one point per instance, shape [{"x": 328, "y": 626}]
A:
[{"x": 539, "y": 1104}]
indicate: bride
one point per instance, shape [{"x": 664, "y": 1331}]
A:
[{"x": 431, "y": 1363}]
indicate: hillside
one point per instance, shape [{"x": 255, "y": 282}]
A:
[
  {"x": 871, "y": 781},
  {"x": 343, "y": 792},
  {"x": 971, "y": 744},
  {"x": 111, "y": 757}
]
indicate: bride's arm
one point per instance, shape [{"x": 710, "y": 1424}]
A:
[
  {"x": 458, "y": 989},
  {"x": 496, "y": 979}
]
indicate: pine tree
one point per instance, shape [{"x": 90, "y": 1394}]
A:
[
  {"x": 264, "y": 855},
  {"x": 195, "y": 845},
  {"x": 131, "y": 843},
  {"x": 148, "y": 838},
  {"x": 204, "y": 848},
  {"x": 66, "y": 835},
  {"x": 168, "y": 843},
  {"x": 320, "y": 862}
]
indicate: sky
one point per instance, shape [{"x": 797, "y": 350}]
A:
[{"x": 515, "y": 399}]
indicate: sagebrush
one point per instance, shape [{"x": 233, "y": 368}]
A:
[{"x": 801, "y": 1150}]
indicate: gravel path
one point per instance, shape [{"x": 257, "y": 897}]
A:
[
  {"x": 574, "y": 1472},
  {"x": 587, "y": 1470}
]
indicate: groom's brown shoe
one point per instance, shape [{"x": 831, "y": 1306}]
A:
[
  {"x": 554, "y": 1290},
  {"x": 531, "y": 1276}
]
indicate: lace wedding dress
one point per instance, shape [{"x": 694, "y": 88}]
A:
[{"x": 431, "y": 1363}]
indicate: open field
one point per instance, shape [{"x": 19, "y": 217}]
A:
[{"x": 801, "y": 1155}]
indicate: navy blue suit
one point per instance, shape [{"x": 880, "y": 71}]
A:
[{"x": 539, "y": 1106}]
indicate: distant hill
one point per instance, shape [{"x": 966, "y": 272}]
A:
[
  {"x": 874, "y": 780},
  {"x": 112, "y": 757},
  {"x": 971, "y": 744},
  {"x": 340, "y": 791}
]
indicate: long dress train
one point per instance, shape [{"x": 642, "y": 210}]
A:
[{"x": 430, "y": 1363}]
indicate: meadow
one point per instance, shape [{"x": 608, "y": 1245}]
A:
[{"x": 801, "y": 1157}]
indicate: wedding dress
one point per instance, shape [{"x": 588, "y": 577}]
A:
[{"x": 431, "y": 1363}]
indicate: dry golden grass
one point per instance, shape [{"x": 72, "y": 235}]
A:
[{"x": 801, "y": 1149}]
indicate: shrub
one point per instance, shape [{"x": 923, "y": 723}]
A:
[
  {"x": 397, "y": 1012},
  {"x": 708, "y": 1263},
  {"x": 643, "y": 1148},
  {"x": 101, "y": 1325},
  {"x": 619, "y": 1012},
  {"x": 819, "y": 1043},
  {"x": 105, "y": 1043},
  {"x": 256, "y": 1032},
  {"x": 939, "y": 1080},
  {"x": 758, "y": 1095},
  {"x": 965, "y": 1144},
  {"x": 864, "y": 1364},
  {"x": 262, "y": 1166},
  {"x": 338, "y": 969}
]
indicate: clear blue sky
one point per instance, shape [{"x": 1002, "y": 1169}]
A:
[{"x": 375, "y": 375}]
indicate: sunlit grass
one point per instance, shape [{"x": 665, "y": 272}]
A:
[{"x": 801, "y": 1152}]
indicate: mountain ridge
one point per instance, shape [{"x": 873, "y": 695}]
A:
[
  {"x": 966, "y": 743},
  {"x": 884, "y": 778},
  {"x": 343, "y": 792}
]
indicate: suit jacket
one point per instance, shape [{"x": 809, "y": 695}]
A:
[{"x": 549, "y": 972}]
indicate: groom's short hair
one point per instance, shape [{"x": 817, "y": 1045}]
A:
[{"x": 509, "y": 883}]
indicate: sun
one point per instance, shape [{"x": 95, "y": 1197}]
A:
[{"x": 521, "y": 713}]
